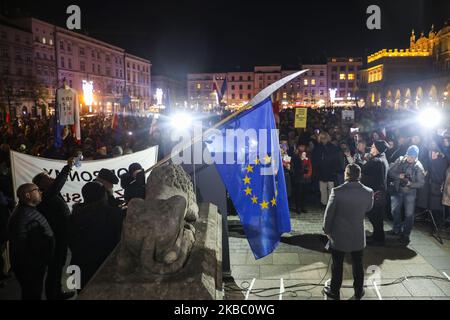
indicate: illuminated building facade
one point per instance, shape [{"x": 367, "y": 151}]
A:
[
  {"x": 413, "y": 77},
  {"x": 343, "y": 78},
  {"x": 59, "y": 54}
]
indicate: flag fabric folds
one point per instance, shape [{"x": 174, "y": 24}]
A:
[{"x": 259, "y": 198}]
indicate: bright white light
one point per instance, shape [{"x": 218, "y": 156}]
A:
[
  {"x": 130, "y": 133},
  {"x": 430, "y": 118},
  {"x": 181, "y": 121}
]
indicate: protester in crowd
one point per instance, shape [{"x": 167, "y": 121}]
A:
[
  {"x": 94, "y": 230},
  {"x": 326, "y": 163},
  {"x": 430, "y": 196},
  {"x": 31, "y": 242},
  {"x": 301, "y": 175},
  {"x": 402, "y": 146},
  {"x": 55, "y": 209},
  {"x": 117, "y": 151},
  {"x": 446, "y": 198},
  {"x": 108, "y": 178},
  {"x": 344, "y": 227},
  {"x": 4, "y": 217},
  {"x": 374, "y": 175},
  {"x": 408, "y": 176},
  {"x": 133, "y": 182},
  {"x": 361, "y": 156},
  {"x": 390, "y": 150}
]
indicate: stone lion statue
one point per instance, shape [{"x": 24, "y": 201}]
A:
[{"x": 158, "y": 234}]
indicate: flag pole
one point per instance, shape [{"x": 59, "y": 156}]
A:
[{"x": 261, "y": 96}]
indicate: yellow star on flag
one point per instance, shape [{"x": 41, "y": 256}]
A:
[
  {"x": 249, "y": 168},
  {"x": 274, "y": 202},
  {"x": 246, "y": 180},
  {"x": 248, "y": 191},
  {"x": 257, "y": 161},
  {"x": 267, "y": 159},
  {"x": 264, "y": 205},
  {"x": 255, "y": 199}
]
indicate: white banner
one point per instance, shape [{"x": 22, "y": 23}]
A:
[
  {"x": 348, "y": 115},
  {"x": 26, "y": 167}
]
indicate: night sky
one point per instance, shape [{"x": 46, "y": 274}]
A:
[{"x": 206, "y": 36}]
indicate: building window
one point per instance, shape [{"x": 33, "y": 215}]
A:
[
  {"x": 98, "y": 55},
  {"x": 70, "y": 63},
  {"x": 313, "y": 82},
  {"x": 334, "y": 68},
  {"x": 341, "y": 84},
  {"x": 284, "y": 95},
  {"x": 69, "y": 47},
  {"x": 50, "y": 42},
  {"x": 93, "y": 68},
  {"x": 233, "y": 96},
  {"x": 342, "y": 76},
  {"x": 305, "y": 82},
  {"x": 351, "y": 68},
  {"x": 241, "y": 87},
  {"x": 199, "y": 86},
  {"x": 232, "y": 87},
  {"x": 342, "y": 68},
  {"x": 249, "y": 87},
  {"x": 322, "y": 73},
  {"x": 134, "y": 66},
  {"x": 44, "y": 41},
  {"x": 249, "y": 96},
  {"x": 333, "y": 77},
  {"x": 306, "y": 92},
  {"x": 61, "y": 45},
  {"x": 350, "y": 85},
  {"x": 313, "y": 73},
  {"x": 82, "y": 66},
  {"x": 81, "y": 51},
  {"x": 98, "y": 69},
  {"x": 249, "y": 78},
  {"x": 269, "y": 77},
  {"x": 62, "y": 62},
  {"x": 240, "y": 96},
  {"x": 334, "y": 84},
  {"x": 351, "y": 76},
  {"x": 240, "y": 78},
  {"x": 313, "y": 93}
]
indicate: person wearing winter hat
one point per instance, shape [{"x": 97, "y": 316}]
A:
[
  {"x": 108, "y": 178},
  {"x": 374, "y": 175},
  {"x": 407, "y": 176},
  {"x": 133, "y": 182}
]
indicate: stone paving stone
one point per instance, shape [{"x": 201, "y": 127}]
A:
[
  {"x": 423, "y": 288},
  {"x": 314, "y": 257},
  {"x": 393, "y": 271},
  {"x": 422, "y": 270},
  {"x": 274, "y": 272},
  {"x": 444, "y": 286},
  {"x": 245, "y": 272},
  {"x": 308, "y": 292},
  {"x": 267, "y": 260},
  {"x": 439, "y": 262},
  {"x": 238, "y": 259},
  {"x": 429, "y": 251},
  {"x": 314, "y": 272},
  {"x": 285, "y": 259}
]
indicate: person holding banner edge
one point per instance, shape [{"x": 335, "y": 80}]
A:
[{"x": 55, "y": 209}]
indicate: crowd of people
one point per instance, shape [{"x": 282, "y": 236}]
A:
[
  {"x": 405, "y": 163},
  {"x": 406, "y": 168},
  {"x": 41, "y": 228}
]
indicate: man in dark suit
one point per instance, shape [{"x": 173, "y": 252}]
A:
[{"x": 344, "y": 226}]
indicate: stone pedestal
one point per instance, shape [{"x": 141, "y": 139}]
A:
[{"x": 200, "y": 278}]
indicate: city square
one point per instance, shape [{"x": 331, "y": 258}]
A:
[{"x": 193, "y": 152}]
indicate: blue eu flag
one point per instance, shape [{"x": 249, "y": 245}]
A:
[{"x": 255, "y": 178}]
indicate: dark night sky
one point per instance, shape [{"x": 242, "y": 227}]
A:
[{"x": 195, "y": 36}]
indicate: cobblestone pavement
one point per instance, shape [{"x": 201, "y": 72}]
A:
[{"x": 300, "y": 259}]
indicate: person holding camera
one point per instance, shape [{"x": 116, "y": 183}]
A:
[{"x": 407, "y": 176}]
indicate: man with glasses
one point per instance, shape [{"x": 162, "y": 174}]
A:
[{"x": 31, "y": 242}]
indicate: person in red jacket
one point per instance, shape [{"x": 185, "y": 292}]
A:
[{"x": 302, "y": 173}]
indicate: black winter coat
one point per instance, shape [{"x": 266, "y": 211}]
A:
[
  {"x": 94, "y": 231},
  {"x": 31, "y": 239},
  {"x": 133, "y": 187},
  {"x": 327, "y": 162},
  {"x": 55, "y": 209}
]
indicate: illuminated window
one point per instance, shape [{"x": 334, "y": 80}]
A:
[
  {"x": 305, "y": 82},
  {"x": 199, "y": 86},
  {"x": 284, "y": 95},
  {"x": 44, "y": 41},
  {"x": 313, "y": 82},
  {"x": 351, "y": 76},
  {"x": 342, "y": 76}
]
